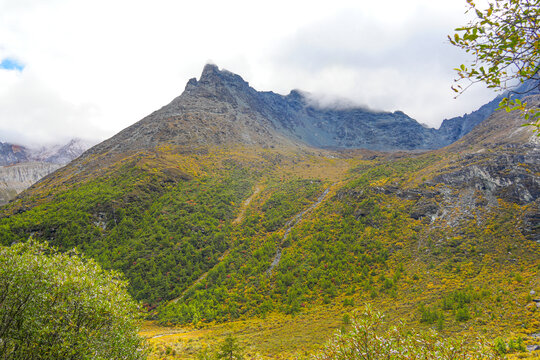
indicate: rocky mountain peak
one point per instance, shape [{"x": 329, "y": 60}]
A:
[
  {"x": 213, "y": 76},
  {"x": 221, "y": 108}
]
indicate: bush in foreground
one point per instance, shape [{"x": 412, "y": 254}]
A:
[
  {"x": 63, "y": 306},
  {"x": 370, "y": 338}
]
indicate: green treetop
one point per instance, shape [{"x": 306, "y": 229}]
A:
[
  {"x": 63, "y": 306},
  {"x": 504, "y": 39}
]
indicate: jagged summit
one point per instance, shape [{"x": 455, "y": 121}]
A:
[
  {"x": 222, "y": 108},
  {"x": 211, "y": 75}
]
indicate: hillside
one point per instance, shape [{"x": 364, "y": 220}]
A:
[
  {"x": 455, "y": 128},
  {"x": 216, "y": 212}
]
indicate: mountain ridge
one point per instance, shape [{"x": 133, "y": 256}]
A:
[
  {"x": 446, "y": 238},
  {"x": 222, "y": 108}
]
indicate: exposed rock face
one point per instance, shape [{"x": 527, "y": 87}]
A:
[
  {"x": 60, "y": 154},
  {"x": 218, "y": 109},
  {"x": 455, "y": 128},
  {"x": 498, "y": 159},
  {"x": 18, "y": 177},
  {"x": 221, "y": 108},
  {"x": 57, "y": 154},
  {"x": 12, "y": 154},
  {"x": 350, "y": 128},
  {"x": 21, "y": 167}
]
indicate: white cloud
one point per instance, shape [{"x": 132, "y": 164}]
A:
[
  {"x": 32, "y": 112},
  {"x": 95, "y": 67}
]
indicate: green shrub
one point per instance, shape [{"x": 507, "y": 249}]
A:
[
  {"x": 370, "y": 338},
  {"x": 63, "y": 306},
  {"x": 462, "y": 314}
]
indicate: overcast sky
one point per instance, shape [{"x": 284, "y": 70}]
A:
[{"x": 80, "y": 68}]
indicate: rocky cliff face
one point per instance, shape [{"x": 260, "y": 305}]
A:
[
  {"x": 18, "y": 177},
  {"x": 498, "y": 160},
  {"x": 20, "y": 167},
  {"x": 221, "y": 108},
  {"x": 218, "y": 109},
  {"x": 12, "y": 154},
  {"x": 453, "y": 129},
  {"x": 60, "y": 154}
]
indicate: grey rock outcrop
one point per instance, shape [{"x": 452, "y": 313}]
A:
[
  {"x": 20, "y": 167},
  {"x": 221, "y": 108},
  {"x": 18, "y": 177}
]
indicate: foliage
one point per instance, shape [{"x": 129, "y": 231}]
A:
[
  {"x": 288, "y": 199},
  {"x": 373, "y": 239},
  {"x": 505, "y": 40},
  {"x": 161, "y": 234},
  {"x": 513, "y": 345},
  {"x": 371, "y": 338},
  {"x": 63, "y": 306},
  {"x": 431, "y": 316},
  {"x": 358, "y": 246},
  {"x": 230, "y": 350},
  {"x": 250, "y": 259}
]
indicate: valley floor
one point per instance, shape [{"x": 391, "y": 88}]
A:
[{"x": 279, "y": 336}]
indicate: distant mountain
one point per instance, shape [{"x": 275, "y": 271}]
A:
[
  {"x": 60, "y": 154},
  {"x": 18, "y": 177},
  {"x": 454, "y": 128},
  {"x": 12, "y": 154},
  {"x": 20, "y": 166}
]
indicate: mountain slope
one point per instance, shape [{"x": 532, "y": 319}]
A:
[
  {"x": 453, "y": 129},
  {"x": 221, "y": 108},
  {"x": 210, "y": 228},
  {"x": 414, "y": 234}
]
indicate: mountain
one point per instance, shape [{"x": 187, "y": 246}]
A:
[
  {"x": 218, "y": 207},
  {"x": 455, "y": 128},
  {"x": 12, "y": 154},
  {"x": 221, "y": 108},
  {"x": 21, "y": 166},
  {"x": 60, "y": 154},
  {"x": 18, "y": 177}
]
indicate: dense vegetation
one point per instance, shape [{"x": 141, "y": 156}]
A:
[
  {"x": 196, "y": 239},
  {"x": 161, "y": 234},
  {"x": 63, "y": 306},
  {"x": 370, "y": 337},
  {"x": 367, "y": 242}
]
